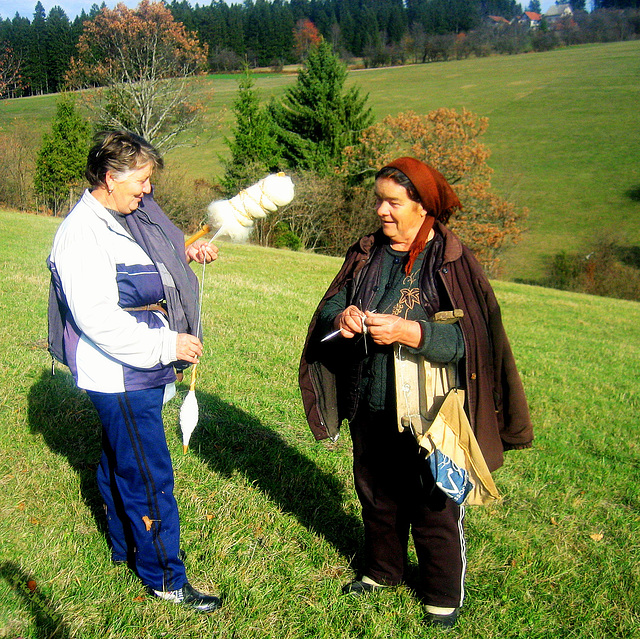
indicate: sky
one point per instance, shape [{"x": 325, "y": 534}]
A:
[{"x": 8, "y": 8}]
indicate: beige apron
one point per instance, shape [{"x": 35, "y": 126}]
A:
[{"x": 432, "y": 408}]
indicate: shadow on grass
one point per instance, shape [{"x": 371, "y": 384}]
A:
[
  {"x": 228, "y": 440},
  {"x": 231, "y": 440},
  {"x": 629, "y": 255},
  {"x": 633, "y": 193},
  {"x": 48, "y": 623},
  {"x": 66, "y": 419}
]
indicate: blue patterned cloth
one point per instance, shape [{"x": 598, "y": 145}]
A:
[{"x": 449, "y": 477}]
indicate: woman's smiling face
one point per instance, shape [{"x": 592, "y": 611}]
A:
[
  {"x": 128, "y": 191},
  {"x": 401, "y": 216}
]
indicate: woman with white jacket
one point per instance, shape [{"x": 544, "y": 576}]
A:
[{"x": 129, "y": 302}]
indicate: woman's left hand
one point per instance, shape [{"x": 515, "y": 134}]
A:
[
  {"x": 188, "y": 348},
  {"x": 201, "y": 251},
  {"x": 388, "y": 329}
]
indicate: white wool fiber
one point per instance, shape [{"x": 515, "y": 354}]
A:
[
  {"x": 249, "y": 203},
  {"x": 224, "y": 219},
  {"x": 234, "y": 218},
  {"x": 188, "y": 416},
  {"x": 279, "y": 188}
]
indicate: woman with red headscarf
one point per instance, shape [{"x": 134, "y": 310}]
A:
[{"x": 393, "y": 288}]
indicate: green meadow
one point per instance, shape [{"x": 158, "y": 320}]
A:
[
  {"x": 270, "y": 519},
  {"x": 563, "y": 132}
]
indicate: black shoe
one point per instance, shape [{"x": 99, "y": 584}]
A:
[
  {"x": 359, "y": 588},
  {"x": 443, "y": 621},
  {"x": 188, "y": 596}
]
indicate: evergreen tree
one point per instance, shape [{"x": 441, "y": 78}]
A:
[
  {"x": 268, "y": 31},
  {"x": 396, "y": 21},
  {"x": 254, "y": 150},
  {"x": 534, "y": 6},
  {"x": 317, "y": 118},
  {"x": 36, "y": 56},
  {"x": 16, "y": 36},
  {"x": 60, "y": 45},
  {"x": 616, "y": 4},
  {"x": 505, "y": 8},
  {"x": 368, "y": 30},
  {"x": 285, "y": 29},
  {"x": 62, "y": 157},
  {"x": 235, "y": 28},
  {"x": 76, "y": 28},
  {"x": 96, "y": 9}
]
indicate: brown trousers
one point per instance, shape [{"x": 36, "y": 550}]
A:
[{"x": 398, "y": 496}]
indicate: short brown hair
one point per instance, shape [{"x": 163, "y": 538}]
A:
[{"x": 119, "y": 152}]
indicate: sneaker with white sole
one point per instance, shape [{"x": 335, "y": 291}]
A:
[
  {"x": 191, "y": 598},
  {"x": 445, "y": 621}
]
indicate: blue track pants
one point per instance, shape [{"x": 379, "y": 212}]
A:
[{"x": 135, "y": 478}]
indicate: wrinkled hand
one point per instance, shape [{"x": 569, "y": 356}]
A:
[
  {"x": 388, "y": 329},
  {"x": 201, "y": 251},
  {"x": 350, "y": 321},
  {"x": 188, "y": 348}
]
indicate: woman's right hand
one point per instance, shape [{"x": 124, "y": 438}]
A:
[
  {"x": 350, "y": 321},
  {"x": 188, "y": 348}
]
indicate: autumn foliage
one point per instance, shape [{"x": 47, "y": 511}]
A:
[
  {"x": 449, "y": 142},
  {"x": 141, "y": 57},
  {"x": 305, "y": 36},
  {"x": 9, "y": 70}
]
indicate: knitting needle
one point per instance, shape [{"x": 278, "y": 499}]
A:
[
  {"x": 330, "y": 336},
  {"x": 365, "y": 330}
]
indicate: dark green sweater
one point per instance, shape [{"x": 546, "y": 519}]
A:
[{"x": 396, "y": 294}]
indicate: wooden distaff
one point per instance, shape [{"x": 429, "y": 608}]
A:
[
  {"x": 232, "y": 218},
  {"x": 189, "y": 411},
  {"x": 196, "y": 236}
]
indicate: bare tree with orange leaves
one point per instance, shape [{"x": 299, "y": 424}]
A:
[
  {"x": 140, "y": 59},
  {"x": 9, "y": 70},
  {"x": 305, "y": 36}
]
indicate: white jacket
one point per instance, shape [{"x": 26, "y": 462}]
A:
[{"x": 101, "y": 270}]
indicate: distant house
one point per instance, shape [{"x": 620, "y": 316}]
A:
[
  {"x": 557, "y": 12},
  {"x": 531, "y": 19},
  {"x": 498, "y": 21}
]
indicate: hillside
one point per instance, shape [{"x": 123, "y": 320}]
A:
[
  {"x": 269, "y": 516},
  {"x": 561, "y": 129}
]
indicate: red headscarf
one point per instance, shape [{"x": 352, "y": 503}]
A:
[{"x": 437, "y": 197}]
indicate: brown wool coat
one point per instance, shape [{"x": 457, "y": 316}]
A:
[{"x": 496, "y": 403}]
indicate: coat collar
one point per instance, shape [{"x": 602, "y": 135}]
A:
[
  {"x": 452, "y": 243},
  {"x": 102, "y": 214}
]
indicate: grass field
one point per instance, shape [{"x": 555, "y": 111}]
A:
[
  {"x": 269, "y": 517},
  {"x": 562, "y": 129}
]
